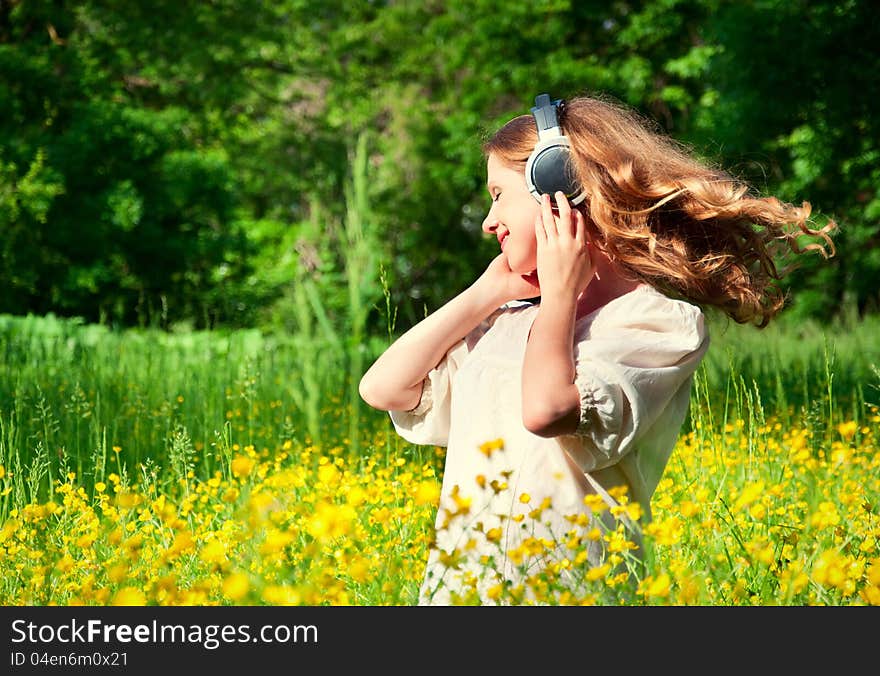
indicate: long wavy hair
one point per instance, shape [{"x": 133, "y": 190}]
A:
[{"x": 669, "y": 219}]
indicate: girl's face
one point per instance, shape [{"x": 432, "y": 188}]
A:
[{"x": 512, "y": 216}]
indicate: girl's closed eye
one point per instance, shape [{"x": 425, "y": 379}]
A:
[{"x": 496, "y": 196}]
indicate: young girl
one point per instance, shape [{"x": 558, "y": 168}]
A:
[{"x": 559, "y": 416}]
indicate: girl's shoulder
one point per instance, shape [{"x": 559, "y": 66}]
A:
[{"x": 650, "y": 310}]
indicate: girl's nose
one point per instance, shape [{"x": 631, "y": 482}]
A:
[{"x": 490, "y": 223}]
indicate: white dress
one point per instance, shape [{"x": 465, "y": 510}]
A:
[{"x": 635, "y": 358}]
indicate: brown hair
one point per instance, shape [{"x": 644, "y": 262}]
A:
[{"x": 669, "y": 219}]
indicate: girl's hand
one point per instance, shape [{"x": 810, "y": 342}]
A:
[
  {"x": 505, "y": 284},
  {"x": 564, "y": 264}
]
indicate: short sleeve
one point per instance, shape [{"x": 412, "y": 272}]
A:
[
  {"x": 428, "y": 423},
  {"x": 629, "y": 367}
]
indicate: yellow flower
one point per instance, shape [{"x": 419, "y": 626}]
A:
[
  {"x": 2, "y": 471},
  {"x": 598, "y": 572},
  {"x": 65, "y": 563},
  {"x": 282, "y": 595},
  {"x": 665, "y": 531},
  {"x": 633, "y": 510},
  {"x": 825, "y": 516},
  {"x": 356, "y": 496},
  {"x": 872, "y": 595},
  {"x": 182, "y": 542},
  {"x": 236, "y": 586},
  {"x": 359, "y": 570},
  {"x": 494, "y": 592},
  {"x": 493, "y": 535},
  {"x": 86, "y": 540},
  {"x": 330, "y": 521},
  {"x": 750, "y": 493},
  {"x": 463, "y": 503},
  {"x": 595, "y": 502},
  {"x": 328, "y": 474},
  {"x": 847, "y": 429},
  {"x": 213, "y": 552},
  {"x": 874, "y": 572},
  {"x": 658, "y": 586},
  {"x": 129, "y": 596},
  {"x": 276, "y": 540},
  {"x": 489, "y": 447},
  {"x": 117, "y": 573},
  {"x": 242, "y": 466},
  {"x": 427, "y": 492}
]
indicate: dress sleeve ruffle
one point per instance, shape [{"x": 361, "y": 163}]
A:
[
  {"x": 628, "y": 368},
  {"x": 428, "y": 422}
]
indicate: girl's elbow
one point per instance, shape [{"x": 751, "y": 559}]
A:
[
  {"x": 548, "y": 422},
  {"x": 369, "y": 393},
  {"x": 385, "y": 399},
  {"x": 540, "y": 423}
]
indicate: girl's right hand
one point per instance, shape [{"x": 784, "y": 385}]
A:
[{"x": 505, "y": 285}]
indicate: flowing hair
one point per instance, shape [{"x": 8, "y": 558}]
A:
[{"x": 668, "y": 219}]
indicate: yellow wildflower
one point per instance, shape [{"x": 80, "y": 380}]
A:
[
  {"x": 848, "y": 429},
  {"x": 236, "y": 586},
  {"x": 489, "y": 447},
  {"x": 213, "y": 552},
  {"x": 241, "y": 466},
  {"x": 427, "y": 492},
  {"x": 658, "y": 586},
  {"x": 129, "y": 596}
]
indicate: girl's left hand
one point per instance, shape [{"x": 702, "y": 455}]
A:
[{"x": 564, "y": 263}]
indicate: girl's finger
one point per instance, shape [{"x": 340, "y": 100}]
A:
[
  {"x": 565, "y": 225},
  {"x": 540, "y": 231},
  {"x": 580, "y": 227},
  {"x": 547, "y": 216}
]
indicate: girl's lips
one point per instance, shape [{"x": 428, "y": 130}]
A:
[{"x": 501, "y": 239}]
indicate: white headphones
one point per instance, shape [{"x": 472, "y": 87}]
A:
[{"x": 548, "y": 168}]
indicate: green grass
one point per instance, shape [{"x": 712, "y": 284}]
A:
[{"x": 71, "y": 391}]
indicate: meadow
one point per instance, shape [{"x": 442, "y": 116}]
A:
[{"x": 199, "y": 468}]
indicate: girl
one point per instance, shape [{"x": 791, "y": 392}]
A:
[{"x": 559, "y": 416}]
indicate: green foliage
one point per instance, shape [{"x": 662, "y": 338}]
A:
[{"x": 158, "y": 161}]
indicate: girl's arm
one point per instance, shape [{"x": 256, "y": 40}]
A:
[
  {"x": 551, "y": 401},
  {"x": 394, "y": 381}
]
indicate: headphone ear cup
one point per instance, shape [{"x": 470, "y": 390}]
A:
[{"x": 549, "y": 169}]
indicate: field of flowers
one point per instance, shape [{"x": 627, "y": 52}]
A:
[{"x": 143, "y": 468}]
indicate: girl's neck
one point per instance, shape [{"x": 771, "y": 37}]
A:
[{"x": 606, "y": 285}]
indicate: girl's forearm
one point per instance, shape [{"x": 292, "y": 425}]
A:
[
  {"x": 394, "y": 381},
  {"x": 550, "y": 399}
]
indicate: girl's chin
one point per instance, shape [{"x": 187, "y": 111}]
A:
[{"x": 520, "y": 267}]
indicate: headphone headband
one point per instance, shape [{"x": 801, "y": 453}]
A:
[
  {"x": 548, "y": 167},
  {"x": 544, "y": 112}
]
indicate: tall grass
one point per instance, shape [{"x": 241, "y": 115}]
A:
[
  {"x": 334, "y": 292},
  {"x": 72, "y": 393}
]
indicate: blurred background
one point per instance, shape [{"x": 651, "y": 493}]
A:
[{"x": 316, "y": 163}]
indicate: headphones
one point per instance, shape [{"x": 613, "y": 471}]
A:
[{"x": 548, "y": 168}]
